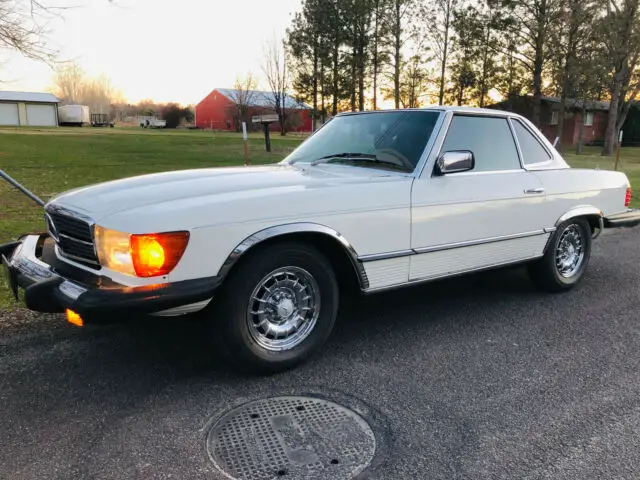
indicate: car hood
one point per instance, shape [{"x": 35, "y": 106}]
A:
[{"x": 211, "y": 185}]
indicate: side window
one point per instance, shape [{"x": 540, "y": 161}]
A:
[
  {"x": 489, "y": 138},
  {"x": 532, "y": 150}
]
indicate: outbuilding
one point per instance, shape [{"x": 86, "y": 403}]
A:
[
  {"x": 219, "y": 110},
  {"x": 28, "y": 109}
]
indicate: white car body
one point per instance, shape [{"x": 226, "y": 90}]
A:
[
  {"x": 404, "y": 215},
  {"x": 402, "y": 228}
]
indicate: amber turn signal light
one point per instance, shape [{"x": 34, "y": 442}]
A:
[
  {"x": 157, "y": 254},
  {"x": 74, "y": 318}
]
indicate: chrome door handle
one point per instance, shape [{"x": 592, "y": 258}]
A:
[{"x": 533, "y": 191}]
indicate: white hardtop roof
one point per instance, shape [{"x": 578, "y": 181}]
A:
[
  {"x": 33, "y": 97},
  {"x": 443, "y": 108}
]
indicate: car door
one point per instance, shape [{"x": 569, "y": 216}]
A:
[{"x": 488, "y": 216}]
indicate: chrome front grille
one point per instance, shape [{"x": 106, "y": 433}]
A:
[{"x": 73, "y": 235}]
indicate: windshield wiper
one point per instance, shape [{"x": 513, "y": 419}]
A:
[
  {"x": 357, "y": 157},
  {"x": 346, "y": 155}
]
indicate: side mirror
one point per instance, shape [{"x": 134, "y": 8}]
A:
[{"x": 455, "y": 162}]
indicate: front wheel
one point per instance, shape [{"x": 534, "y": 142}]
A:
[
  {"x": 276, "y": 309},
  {"x": 566, "y": 258}
]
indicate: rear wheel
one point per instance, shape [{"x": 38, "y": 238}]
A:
[
  {"x": 276, "y": 309},
  {"x": 566, "y": 258}
]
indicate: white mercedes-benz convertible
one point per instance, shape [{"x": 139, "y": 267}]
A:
[{"x": 375, "y": 200}]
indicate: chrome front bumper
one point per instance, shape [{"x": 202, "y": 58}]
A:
[
  {"x": 53, "y": 289},
  {"x": 26, "y": 270}
]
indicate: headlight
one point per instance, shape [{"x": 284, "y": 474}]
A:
[
  {"x": 148, "y": 255},
  {"x": 114, "y": 249}
]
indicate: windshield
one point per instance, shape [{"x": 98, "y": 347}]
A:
[{"x": 390, "y": 140}]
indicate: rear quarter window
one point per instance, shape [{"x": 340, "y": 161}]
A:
[{"x": 532, "y": 149}]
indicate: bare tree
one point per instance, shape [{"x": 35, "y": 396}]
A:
[
  {"x": 243, "y": 96},
  {"x": 275, "y": 69},
  {"x": 23, "y": 28},
  {"x": 99, "y": 93},
  {"x": 69, "y": 82}
]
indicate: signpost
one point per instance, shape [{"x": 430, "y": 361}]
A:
[
  {"x": 245, "y": 138},
  {"x": 266, "y": 121},
  {"x": 618, "y": 150}
]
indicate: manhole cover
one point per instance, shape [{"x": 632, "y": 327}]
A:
[{"x": 291, "y": 437}]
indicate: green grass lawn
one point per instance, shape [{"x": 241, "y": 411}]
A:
[{"x": 50, "y": 161}]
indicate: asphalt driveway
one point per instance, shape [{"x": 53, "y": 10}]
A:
[{"x": 480, "y": 377}]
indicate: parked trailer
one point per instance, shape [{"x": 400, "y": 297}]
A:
[
  {"x": 77, "y": 115},
  {"x": 150, "y": 121},
  {"x": 101, "y": 120}
]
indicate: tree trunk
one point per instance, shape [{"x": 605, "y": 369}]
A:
[
  {"x": 336, "y": 65},
  {"x": 581, "y": 129},
  {"x": 353, "y": 77},
  {"x": 445, "y": 48},
  {"x": 561, "y": 113},
  {"x": 283, "y": 121},
  {"x": 397, "y": 55},
  {"x": 485, "y": 59},
  {"x": 619, "y": 89},
  {"x": 376, "y": 40},
  {"x": 537, "y": 86},
  {"x": 538, "y": 64},
  {"x": 611, "y": 134},
  {"x": 361, "y": 74},
  {"x": 563, "y": 102},
  {"x": 315, "y": 86},
  {"x": 323, "y": 111}
]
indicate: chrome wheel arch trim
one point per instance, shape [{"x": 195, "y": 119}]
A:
[
  {"x": 291, "y": 228},
  {"x": 581, "y": 211},
  {"x": 578, "y": 212}
]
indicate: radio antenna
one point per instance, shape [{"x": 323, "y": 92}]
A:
[{"x": 23, "y": 189}]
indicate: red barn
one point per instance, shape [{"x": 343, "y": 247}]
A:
[{"x": 219, "y": 110}]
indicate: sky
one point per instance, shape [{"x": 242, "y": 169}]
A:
[{"x": 165, "y": 50}]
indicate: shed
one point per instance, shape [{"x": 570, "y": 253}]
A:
[{"x": 28, "y": 109}]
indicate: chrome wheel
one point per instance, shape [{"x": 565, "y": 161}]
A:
[
  {"x": 283, "y": 308},
  {"x": 570, "y": 251}
]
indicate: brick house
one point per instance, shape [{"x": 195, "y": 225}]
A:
[
  {"x": 594, "y": 122},
  {"x": 218, "y": 110}
]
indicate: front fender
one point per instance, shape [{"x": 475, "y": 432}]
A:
[{"x": 294, "y": 228}]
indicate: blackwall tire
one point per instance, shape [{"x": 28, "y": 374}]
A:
[
  {"x": 289, "y": 289},
  {"x": 565, "y": 259}
]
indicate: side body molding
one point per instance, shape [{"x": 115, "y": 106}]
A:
[{"x": 292, "y": 228}]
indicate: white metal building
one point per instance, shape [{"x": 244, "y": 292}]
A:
[{"x": 28, "y": 109}]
